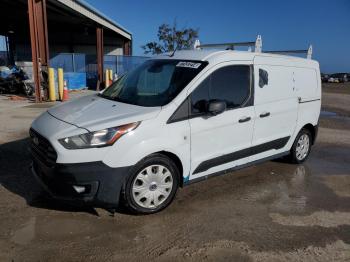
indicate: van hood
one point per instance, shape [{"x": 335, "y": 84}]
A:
[{"x": 94, "y": 113}]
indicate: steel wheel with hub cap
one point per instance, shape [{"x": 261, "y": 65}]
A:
[
  {"x": 301, "y": 147},
  {"x": 152, "y": 184}
]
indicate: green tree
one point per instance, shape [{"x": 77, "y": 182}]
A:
[{"x": 171, "y": 38}]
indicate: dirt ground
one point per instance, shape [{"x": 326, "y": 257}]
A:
[{"x": 269, "y": 212}]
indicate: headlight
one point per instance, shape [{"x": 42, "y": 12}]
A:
[{"x": 101, "y": 138}]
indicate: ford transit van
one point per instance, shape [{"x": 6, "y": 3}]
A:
[{"x": 174, "y": 120}]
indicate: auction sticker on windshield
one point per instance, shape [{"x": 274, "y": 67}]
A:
[{"x": 189, "y": 65}]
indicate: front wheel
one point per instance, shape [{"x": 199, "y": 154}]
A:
[
  {"x": 301, "y": 147},
  {"x": 152, "y": 185}
]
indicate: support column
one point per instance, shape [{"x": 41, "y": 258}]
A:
[
  {"x": 127, "y": 48},
  {"x": 39, "y": 41},
  {"x": 100, "y": 53},
  {"x": 10, "y": 45},
  {"x": 7, "y": 50}
]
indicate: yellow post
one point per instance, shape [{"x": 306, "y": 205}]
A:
[
  {"x": 107, "y": 78},
  {"x": 52, "y": 93},
  {"x": 60, "y": 83},
  {"x": 111, "y": 76}
]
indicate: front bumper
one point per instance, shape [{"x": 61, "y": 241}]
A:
[{"x": 102, "y": 183}]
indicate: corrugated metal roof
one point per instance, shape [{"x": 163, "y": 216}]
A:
[{"x": 92, "y": 13}]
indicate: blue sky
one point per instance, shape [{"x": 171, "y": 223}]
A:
[{"x": 283, "y": 24}]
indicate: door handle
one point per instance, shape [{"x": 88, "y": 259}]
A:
[
  {"x": 265, "y": 114},
  {"x": 244, "y": 119}
]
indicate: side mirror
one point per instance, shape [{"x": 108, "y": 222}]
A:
[{"x": 216, "y": 107}]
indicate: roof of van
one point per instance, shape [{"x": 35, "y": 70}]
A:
[{"x": 217, "y": 56}]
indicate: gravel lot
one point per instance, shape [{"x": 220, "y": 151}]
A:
[{"x": 269, "y": 212}]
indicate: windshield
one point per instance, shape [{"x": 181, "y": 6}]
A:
[{"x": 154, "y": 83}]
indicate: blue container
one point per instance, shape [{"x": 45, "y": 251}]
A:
[{"x": 75, "y": 81}]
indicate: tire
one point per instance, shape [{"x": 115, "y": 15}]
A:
[
  {"x": 301, "y": 148},
  {"x": 152, "y": 185},
  {"x": 28, "y": 89}
]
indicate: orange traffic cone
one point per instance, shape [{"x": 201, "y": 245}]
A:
[{"x": 65, "y": 91}]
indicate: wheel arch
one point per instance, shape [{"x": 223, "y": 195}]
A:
[
  {"x": 173, "y": 156},
  {"x": 312, "y": 129},
  {"x": 177, "y": 162}
]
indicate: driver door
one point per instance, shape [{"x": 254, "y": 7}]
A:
[{"x": 222, "y": 141}]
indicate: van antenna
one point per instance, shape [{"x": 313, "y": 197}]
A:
[{"x": 173, "y": 53}]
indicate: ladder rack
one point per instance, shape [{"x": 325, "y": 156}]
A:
[
  {"x": 257, "y": 47},
  {"x": 308, "y": 52},
  {"x": 228, "y": 45}
]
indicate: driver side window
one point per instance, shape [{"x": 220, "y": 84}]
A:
[{"x": 230, "y": 84}]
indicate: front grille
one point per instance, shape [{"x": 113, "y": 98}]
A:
[{"x": 42, "y": 149}]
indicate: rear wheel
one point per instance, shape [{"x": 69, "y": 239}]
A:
[
  {"x": 301, "y": 147},
  {"x": 152, "y": 185}
]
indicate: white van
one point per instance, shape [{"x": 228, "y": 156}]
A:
[{"x": 175, "y": 120}]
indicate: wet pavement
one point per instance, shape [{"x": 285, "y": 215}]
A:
[{"x": 269, "y": 212}]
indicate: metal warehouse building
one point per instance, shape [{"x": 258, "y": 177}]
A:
[{"x": 65, "y": 33}]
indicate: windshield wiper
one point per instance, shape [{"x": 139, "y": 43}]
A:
[
  {"x": 114, "y": 98},
  {"x": 107, "y": 97}
]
